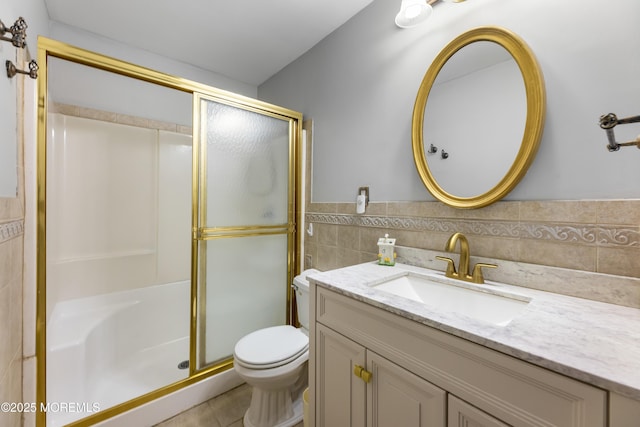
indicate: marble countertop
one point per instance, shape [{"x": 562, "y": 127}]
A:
[{"x": 594, "y": 342}]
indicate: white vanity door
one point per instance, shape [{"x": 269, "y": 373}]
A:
[
  {"x": 390, "y": 396},
  {"x": 340, "y": 395},
  {"x": 461, "y": 414},
  {"x": 396, "y": 397}
]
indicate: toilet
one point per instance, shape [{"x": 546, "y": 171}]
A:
[{"x": 273, "y": 361}]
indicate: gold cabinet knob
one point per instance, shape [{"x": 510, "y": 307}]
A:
[
  {"x": 357, "y": 371},
  {"x": 362, "y": 373},
  {"x": 366, "y": 376}
]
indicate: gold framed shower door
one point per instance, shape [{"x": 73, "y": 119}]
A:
[{"x": 48, "y": 48}]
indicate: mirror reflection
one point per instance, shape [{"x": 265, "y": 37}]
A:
[{"x": 475, "y": 111}]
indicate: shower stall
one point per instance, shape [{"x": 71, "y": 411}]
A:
[{"x": 166, "y": 231}]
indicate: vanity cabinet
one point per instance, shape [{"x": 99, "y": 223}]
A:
[
  {"x": 340, "y": 396},
  {"x": 461, "y": 414},
  {"x": 421, "y": 376},
  {"x": 358, "y": 388}
]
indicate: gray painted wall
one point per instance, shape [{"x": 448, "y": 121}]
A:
[
  {"x": 90, "y": 41},
  {"x": 359, "y": 86},
  {"x": 79, "y": 85},
  {"x": 35, "y": 14}
]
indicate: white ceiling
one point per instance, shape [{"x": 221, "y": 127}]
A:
[{"x": 247, "y": 40}]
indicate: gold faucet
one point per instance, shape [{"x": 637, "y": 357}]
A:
[{"x": 463, "y": 265}]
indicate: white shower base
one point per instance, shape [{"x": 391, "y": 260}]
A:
[{"x": 107, "y": 349}]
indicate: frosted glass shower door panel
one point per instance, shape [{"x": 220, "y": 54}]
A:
[
  {"x": 245, "y": 222},
  {"x": 244, "y": 291},
  {"x": 247, "y": 174}
]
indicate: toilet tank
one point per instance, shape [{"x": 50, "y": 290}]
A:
[{"x": 301, "y": 287}]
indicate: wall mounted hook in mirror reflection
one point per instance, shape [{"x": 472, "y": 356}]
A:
[
  {"x": 12, "y": 70},
  {"x": 432, "y": 149},
  {"x": 444, "y": 154},
  {"x": 18, "y": 32}
]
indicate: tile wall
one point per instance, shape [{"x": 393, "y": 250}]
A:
[
  {"x": 595, "y": 236},
  {"x": 11, "y": 241},
  {"x": 11, "y": 285}
]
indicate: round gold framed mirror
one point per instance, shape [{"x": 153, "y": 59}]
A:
[{"x": 478, "y": 118}]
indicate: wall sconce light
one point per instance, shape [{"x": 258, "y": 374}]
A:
[{"x": 414, "y": 12}]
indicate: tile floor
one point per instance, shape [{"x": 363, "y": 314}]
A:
[{"x": 225, "y": 410}]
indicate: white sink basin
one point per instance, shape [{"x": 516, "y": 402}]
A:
[{"x": 476, "y": 301}]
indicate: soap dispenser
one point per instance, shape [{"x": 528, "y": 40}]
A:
[{"x": 386, "y": 252}]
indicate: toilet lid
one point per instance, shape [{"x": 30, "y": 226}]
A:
[{"x": 271, "y": 347}]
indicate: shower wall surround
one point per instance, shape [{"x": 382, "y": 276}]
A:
[{"x": 119, "y": 197}]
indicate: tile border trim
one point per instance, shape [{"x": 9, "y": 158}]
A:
[
  {"x": 582, "y": 234},
  {"x": 11, "y": 229}
]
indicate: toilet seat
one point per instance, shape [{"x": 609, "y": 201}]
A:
[{"x": 270, "y": 347}]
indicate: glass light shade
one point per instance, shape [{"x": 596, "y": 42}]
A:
[{"x": 412, "y": 13}]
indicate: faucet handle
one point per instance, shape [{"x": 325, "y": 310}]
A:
[
  {"x": 451, "y": 268},
  {"x": 476, "y": 276}
]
